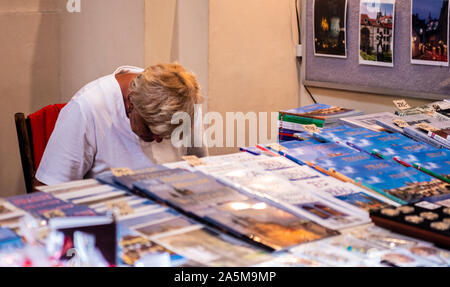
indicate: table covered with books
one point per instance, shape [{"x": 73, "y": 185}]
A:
[{"x": 351, "y": 192}]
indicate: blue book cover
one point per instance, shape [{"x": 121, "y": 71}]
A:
[
  {"x": 437, "y": 161},
  {"x": 402, "y": 149},
  {"x": 345, "y": 134},
  {"x": 306, "y": 109},
  {"x": 406, "y": 184},
  {"x": 313, "y": 153},
  {"x": 383, "y": 140},
  {"x": 9, "y": 239}
]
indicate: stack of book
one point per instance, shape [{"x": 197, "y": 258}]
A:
[
  {"x": 292, "y": 121},
  {"x": 146, "y": 227},
  {"x": 420, "y": 127}
]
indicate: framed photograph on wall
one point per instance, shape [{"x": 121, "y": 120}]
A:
[
  {"x": 376, "y": 32},
  {"x": 429, "y": 32},
  {"x": 330, "y": 28}
]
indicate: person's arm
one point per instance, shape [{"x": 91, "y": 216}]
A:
[
  {"x": 197, "y": 125},
  {"x": 36, "y": 183},
  {"x": 70, "y": 151}
]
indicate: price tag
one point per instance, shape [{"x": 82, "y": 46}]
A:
[
  {"x": 193, "y": 160},
  {"x": 121, "y": 171},
  {"x": 402, "y": 105},
  {"x": 311, "y": 128},
  {"x": 401, "y": 123},
  {"x": 276, "y": 146},
  {"x": 426, "y": 127},
  {"x": 122, "y": 206}
]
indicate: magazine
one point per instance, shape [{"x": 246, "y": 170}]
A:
[{"x": 368, "y": 121}]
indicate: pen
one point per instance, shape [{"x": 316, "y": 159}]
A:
[
  {"x": 296, "y": 160},
  {"x": 401, "y": 162},
  {"x": 251, "y": 152},
  {"x": 267, "y": 150},
  {"x": 377, "y": 154},
  {"x": 415, "y": 165}
]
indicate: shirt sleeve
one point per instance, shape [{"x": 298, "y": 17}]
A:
[{"x": 70, "y": 151}]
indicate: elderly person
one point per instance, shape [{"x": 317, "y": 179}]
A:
[{"x": 120, "y": 120}]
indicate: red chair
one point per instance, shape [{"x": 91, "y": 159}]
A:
[{"x": 33, "y": 133}]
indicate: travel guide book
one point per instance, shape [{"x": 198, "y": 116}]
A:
[
  {"x": 435, "y": 163},
  {"x": 332, "y": 114}
]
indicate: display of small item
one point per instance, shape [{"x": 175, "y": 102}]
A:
[
  {"x": 376, "y": 32},
  {"x": 330, "y": 28},
  {"x": 429, "y": 32}
]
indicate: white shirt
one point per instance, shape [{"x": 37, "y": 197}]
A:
[{"x": 93, "y": 134}]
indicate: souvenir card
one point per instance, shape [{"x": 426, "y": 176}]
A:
[{"x": 213, "y": 249}]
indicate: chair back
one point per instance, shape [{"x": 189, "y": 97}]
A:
[{"x": 33, "y": 133}]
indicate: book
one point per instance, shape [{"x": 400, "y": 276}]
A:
[
  {"x": 295, "y": 197},
  {"x": 380, "y": 142},
  {"x": 312, "y": 153},
  {"x": 422, "y": 135},
  {"x": 442, "y": 136},
  {"x": 127, "y": 180},
  {"x": 295, "y": 119},
  {"x": 267, "y": 225},
  {"x": 47, "y": 206},
  {"x": 434, "y": 163},
  {"x": 332, "y": 114},
  {"x": 409, "y": 120},
  {"x": 357, "y": 196},
  {"x": 401, "y": 184},
  {"x": 296, "y": 127},
  {"x": 325, "y": 113},
  {"x": 214, "y": 249},
  {"x": 368, "y": 121},
  {"x": 305, "y": 109},
  {"x": 9, "y": 239},
  {"x": 9, "y": 211}
]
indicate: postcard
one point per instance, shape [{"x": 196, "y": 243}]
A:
[
  {"x": 429, "y": 32},
  {"x": 268, "y": 225},
  {"x": 376, "y": 32},
  {"x": 213, "y": 249},
  {"x": 165, "y": 226},
  {"x": 330, "y": 28}
]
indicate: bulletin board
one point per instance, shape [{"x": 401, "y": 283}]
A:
[{"x": 404, "y": 79}]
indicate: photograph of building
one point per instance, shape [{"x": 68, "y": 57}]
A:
[
  {"x": 377, "y": 33},
  {"x": 330, "y": 17},
  {"x": 429, "y": 32}
]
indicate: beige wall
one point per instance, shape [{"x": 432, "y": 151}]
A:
[
  {"x": 29, "y": 53},
  {"x": 177, "y": 30},
  {"x": 252, "y": 64},
  {"x": 105, "y": 35},
  {"x": 47, "y": 54}
]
